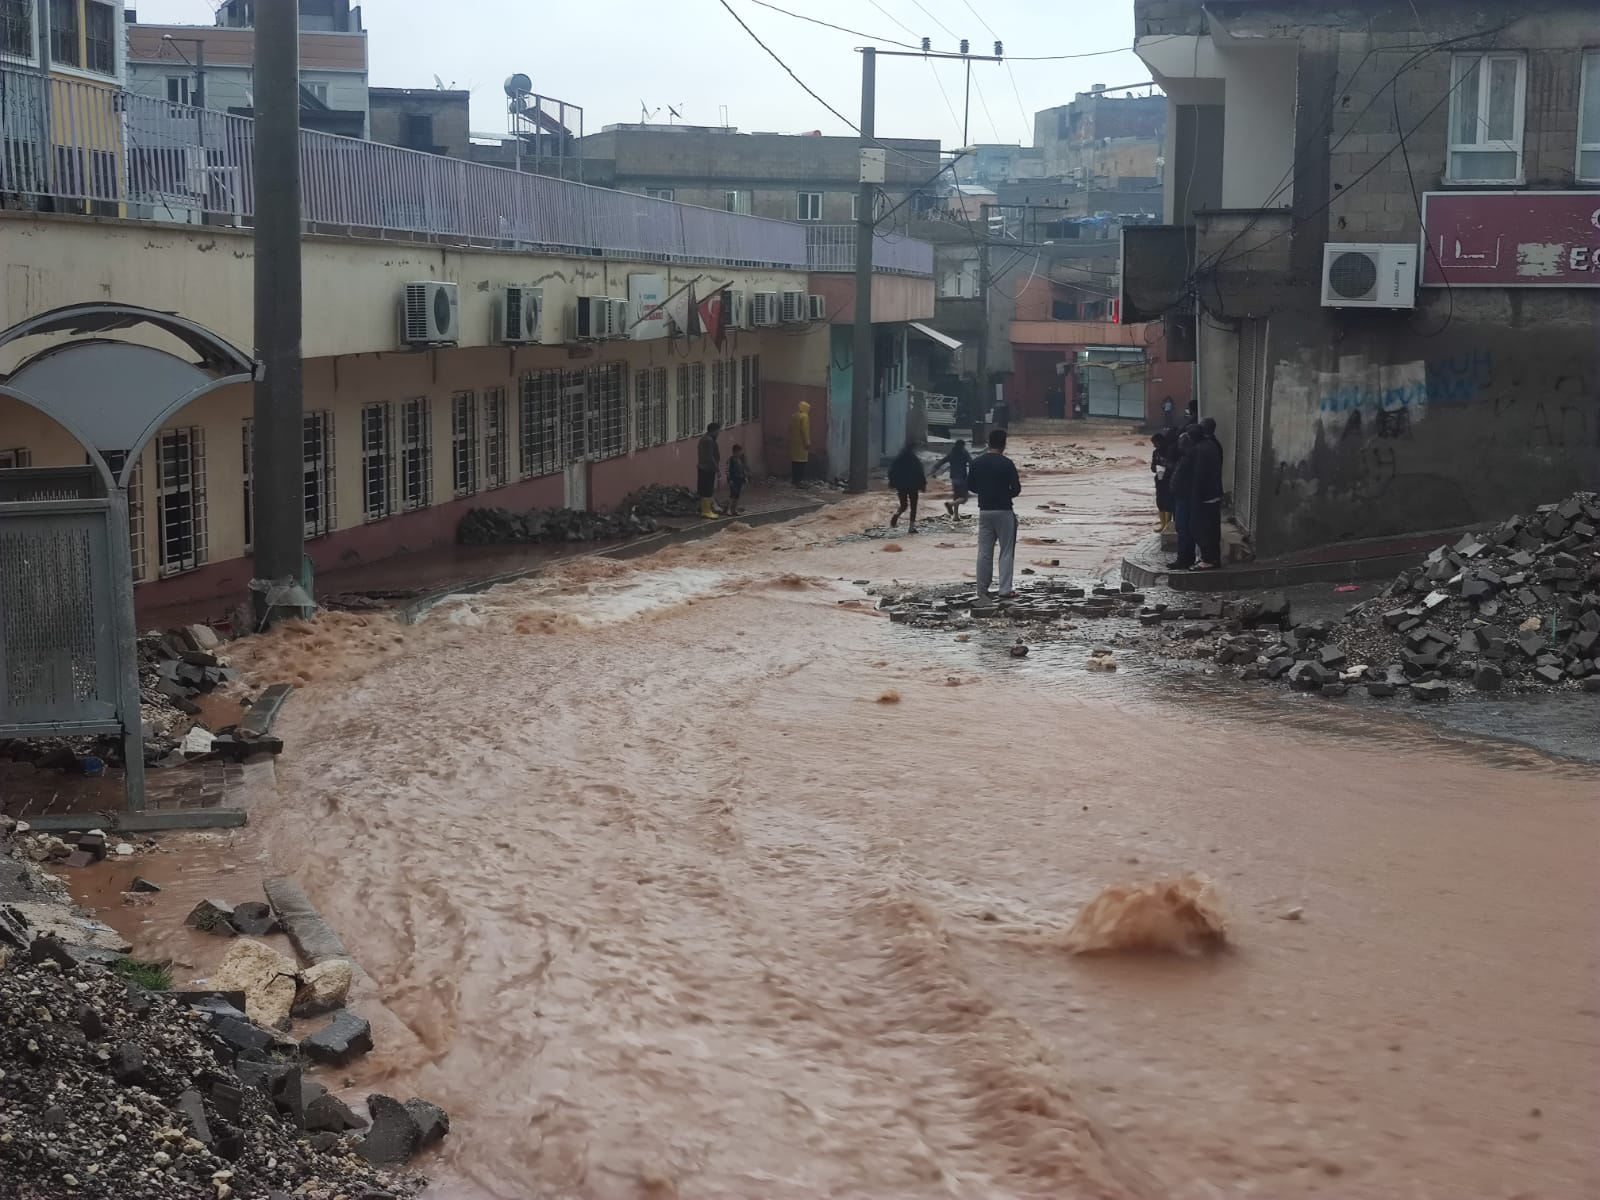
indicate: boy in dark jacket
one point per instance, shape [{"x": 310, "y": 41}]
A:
[
  {"x": 958, "y": 460},
  {"x": 738, "y": 475},
  {"x": 908, "y": 479}
]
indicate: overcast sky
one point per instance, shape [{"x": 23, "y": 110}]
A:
[{"x": 608, "y": 57}]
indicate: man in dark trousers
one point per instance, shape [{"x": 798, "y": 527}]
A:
[
  {"x": 993, "y": 479},
  {"x": 1207, "y": 503},
  {"x": 710, "y": 464},
  {"x": 1183, "y": 502}
]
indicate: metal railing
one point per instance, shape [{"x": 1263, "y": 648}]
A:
[
  {"x": 833, "y": 248},
  {"x": 120, "y": 154}
]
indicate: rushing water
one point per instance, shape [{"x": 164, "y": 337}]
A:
[{"x": 665, "y": 903}]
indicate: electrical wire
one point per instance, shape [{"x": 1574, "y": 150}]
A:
[
  {"x": 871, "y": 37},
  {"x": 894, "y": 18},
  {"x": 1027, "y": 119},
  {"x": 933, "y": 18},
  {"x": 947, "y": 102},
  {"x": 1422, "y": 221},
  {"x": 993, "y": 128}
]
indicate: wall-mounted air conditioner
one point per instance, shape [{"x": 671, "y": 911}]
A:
[
  {"x": 621, "y": 317},
  {"x": 817, "y": 307},
  {"x": 429, "y": 314},
  {"x": 1369, "y": 275},
  {"x": 764, "y": 309},
  {"x": 591, "y": 318},
  {"x": 519, "y": 316},
  {"x": 792, "y": 308}
]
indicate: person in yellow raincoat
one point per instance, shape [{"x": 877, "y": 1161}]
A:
[{"x": 800, "y": 443}]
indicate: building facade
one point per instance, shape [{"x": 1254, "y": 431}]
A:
[
  {"x": 1102, "y": 139},
  {"x": 785, "y": 177},
  {"x": 213, "y": 66},
  {"x": 432, "y": 120},
  {"x": 1447, "y": 148}
]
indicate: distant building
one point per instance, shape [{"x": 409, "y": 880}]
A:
[
  {"x": 214, "y": 65},
  {"x": 787, "y": 177},
  {"x": 433, "y": 120},
  {"x": 996, "y": 164},
  {"x": 1103, "y": 140}
]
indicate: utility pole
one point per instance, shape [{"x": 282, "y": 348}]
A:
[
  {"x": 278, "y": 482},
  {"x": 862, "y": 367},
  {"x": 983, "y": 307}
]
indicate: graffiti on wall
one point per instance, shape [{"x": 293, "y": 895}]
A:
[{"x": 1407, "y": 388}]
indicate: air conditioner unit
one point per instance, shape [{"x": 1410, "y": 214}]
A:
[
  {"x": 738, "y": 309},
  {"x": 591, "y": 318},
  {"x": 519, "y": 316},
  {"x": 430, "y": 315},
  {"x": 764, "y": 309},
  {"x": 620, "y": 317},
  {"x": 793, "y": 308},
  {"x": 1377, "y": 275},
  {"x": 817, "y": 307}
]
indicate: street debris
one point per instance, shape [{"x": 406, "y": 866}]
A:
[
  {"x": 661, "y": 500},
  {"x": 1178, "y": 916},
  {"x": 501, "y": 526}
]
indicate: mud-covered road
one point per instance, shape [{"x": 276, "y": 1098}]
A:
[{"x": 679, "y": 900}]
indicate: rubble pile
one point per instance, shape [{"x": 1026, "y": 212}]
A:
[
  {"x": 1056, "y": 601},
  {"x": 661, "y": 500},
  {"x": 501, "y": 526},
  {"x": 111, "y": 1091}
]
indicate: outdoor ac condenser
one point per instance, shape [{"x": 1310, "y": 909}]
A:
[
  {"x": 763, "y": 308},
  {"x": 817, "y": 307},
  {"x": 1376, "y": 275},
  {"x": 429, "y": 314},
  {"x": 519, "y": 316},
  {"x": 793, "y": 308}
]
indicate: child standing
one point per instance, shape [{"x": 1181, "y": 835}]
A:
[{"x": 738, "y": 473}]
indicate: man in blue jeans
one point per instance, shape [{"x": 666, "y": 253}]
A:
[{"x": 993, "y": 479}]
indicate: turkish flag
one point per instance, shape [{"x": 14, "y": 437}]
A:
[{"x": 713, "y": 313}]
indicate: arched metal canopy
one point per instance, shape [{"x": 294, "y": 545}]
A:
[{"x": 114, "y": 395}]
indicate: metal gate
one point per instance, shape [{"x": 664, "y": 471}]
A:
[
  {"x": 68, "y": 664},
  {"x": 1249, "y": 420}
]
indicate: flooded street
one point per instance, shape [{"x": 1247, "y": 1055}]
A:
[{"x": 693, "y": 876}]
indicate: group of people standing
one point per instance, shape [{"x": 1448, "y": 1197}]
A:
[{"x": 1188, "y": 472}]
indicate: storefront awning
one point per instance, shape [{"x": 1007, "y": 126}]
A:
[{"x": 944, "y": 339}]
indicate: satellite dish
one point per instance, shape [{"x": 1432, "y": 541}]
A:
[{"x": 518, "y": 85}]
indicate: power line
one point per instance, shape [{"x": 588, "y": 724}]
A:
[
  {"x": 893, "y": 18},
  {"x": 1027, "y": 119},
  {"x": 993, "y": 128},
  {"x": 871, "y": 37},
  {"x": 981, "y": 21},
  {"x": 947, "y": 103},
  {"x": 933, "y": 18}
]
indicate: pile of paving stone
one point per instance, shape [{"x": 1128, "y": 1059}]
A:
[
  {"x": 661, "y": 500},
  {"x": 1514, "y": 608},
  {"x": 1054, "y": 601},
  {"x": 501, "y": 526},
  {"x": 108, "y": 1090}
]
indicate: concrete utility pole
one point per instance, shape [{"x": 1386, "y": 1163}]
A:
[
  {"x": 983, "y": 307},
  {"x": 862, "y": 366},
  {"x": 278, "y": 483}
]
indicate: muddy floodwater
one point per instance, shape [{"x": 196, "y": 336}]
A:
[{"x": 693, "y": 876}]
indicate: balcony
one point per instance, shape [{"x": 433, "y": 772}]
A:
[
  {"x": 832, "y": 248},
  {"x": 113, "y": 152}
]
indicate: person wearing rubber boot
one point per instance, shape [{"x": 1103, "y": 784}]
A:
[
  {"x": 710, "y": 463},
  {"x": 993, "y": 479}
]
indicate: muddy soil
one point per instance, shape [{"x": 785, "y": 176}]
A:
[{"x": 670, "y": 905}]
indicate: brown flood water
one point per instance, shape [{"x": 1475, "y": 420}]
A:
[{"x": 668, "y": 905}]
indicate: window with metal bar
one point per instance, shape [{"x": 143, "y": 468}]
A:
[
  {"x": 464, "y": 442},
  {"x": 719, "y": 393},
  {"x": 100, "y": 37},
  {"x": 610, "y": 404},
  {"x": 649, "y": 407},
  {"x": 18, "y": 457},
  {"x": 64, "y": 33},
  {"x": 496, "y": 448},
  {"x": 539, "y": 423},
  {"x": 416, "y": 453},
  {"x": 16, "y": 28},
  {"x": 317, "y": 472},
  {"x": 181, "y": 499},
  {"x": 116, "y": 460},
  {"x": 377, "y": 461},
  {"x": 691, "y": 400},
  {"x": 750, "y": 389},
  {"x": 574, "y": 416}
]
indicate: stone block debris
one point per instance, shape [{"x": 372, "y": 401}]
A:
[
  {"x": 400, "y": 1131},
  {"x": 342, "y": 1040},
  {"x": 323, "y": 988},
  {"x": 212, "y": 916},
  {"x": 268, "y": 980},
  {"x": 502, "y": 526}
]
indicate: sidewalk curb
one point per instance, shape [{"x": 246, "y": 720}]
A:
[{"x": 413, "y": 611}]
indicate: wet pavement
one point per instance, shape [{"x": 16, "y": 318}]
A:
[{"x": 694, "y": 876}]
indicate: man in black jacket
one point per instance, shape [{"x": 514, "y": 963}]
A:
[
  {"x": 1183, "y": 503},
  {"x": 1207, "y": 503},
  {"x": 709, "y": 467},
  {"x": 993, "y": 479}
]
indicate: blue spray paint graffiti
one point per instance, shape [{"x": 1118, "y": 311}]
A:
[{"x": 1459, "y": 379}]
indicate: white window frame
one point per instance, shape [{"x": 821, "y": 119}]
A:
[
  {"x": 180, "y": 89},
  {"x": 1591, "y": 146},
  {"x": 317, "y": 473},
  {"x": 464, "y": 443},
  {"x": 1484, "y": 60},
  {"x": 539, "y": 423},
  {"x": 317, "y": 88},
  {"x": 378, "y": 463},
  {"x": 808, "y": 206},
  {"x": 181, "y": 483},
  {"x": 496, "y": 439},
  {"x": 659, "y": 193},
  {"x": 736, "y": 200},
  {"x": 416, "y": 453}
]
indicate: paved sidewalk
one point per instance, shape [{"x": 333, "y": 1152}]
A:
[{"x": 33, "y": 795}]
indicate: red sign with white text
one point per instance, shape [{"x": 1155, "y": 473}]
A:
[{"x": 1511, "y": 239}]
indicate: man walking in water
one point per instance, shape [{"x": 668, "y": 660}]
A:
[{"x": 993, "y": 479}]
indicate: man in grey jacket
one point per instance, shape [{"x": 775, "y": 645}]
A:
[
  {"x": 709, "y": 466},
  {"x": 993, "y": 479}
]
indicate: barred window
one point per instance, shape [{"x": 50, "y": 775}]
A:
[
  {"x": 316, "y": 469},
  {"x": 464, "y": 442},
  {"x": 750, "y": 389},
  {"x": 719, "y": 393},
  {"x": 611, "y": 403},
  {"x": 538, "y": 416},
  {"x": 416, "y": 453},
  {"x": 16, "y": 28},
  {"x": 691, "y": 400},
  {"x": 574, "y": 416},
  {"x": 650, "y": 408},
  {"x": 181, "y": 498},
  {"x": 496, "y": 445},
  {"x": 116, "y": 460},
  {"x": 377, "y": 461}
]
